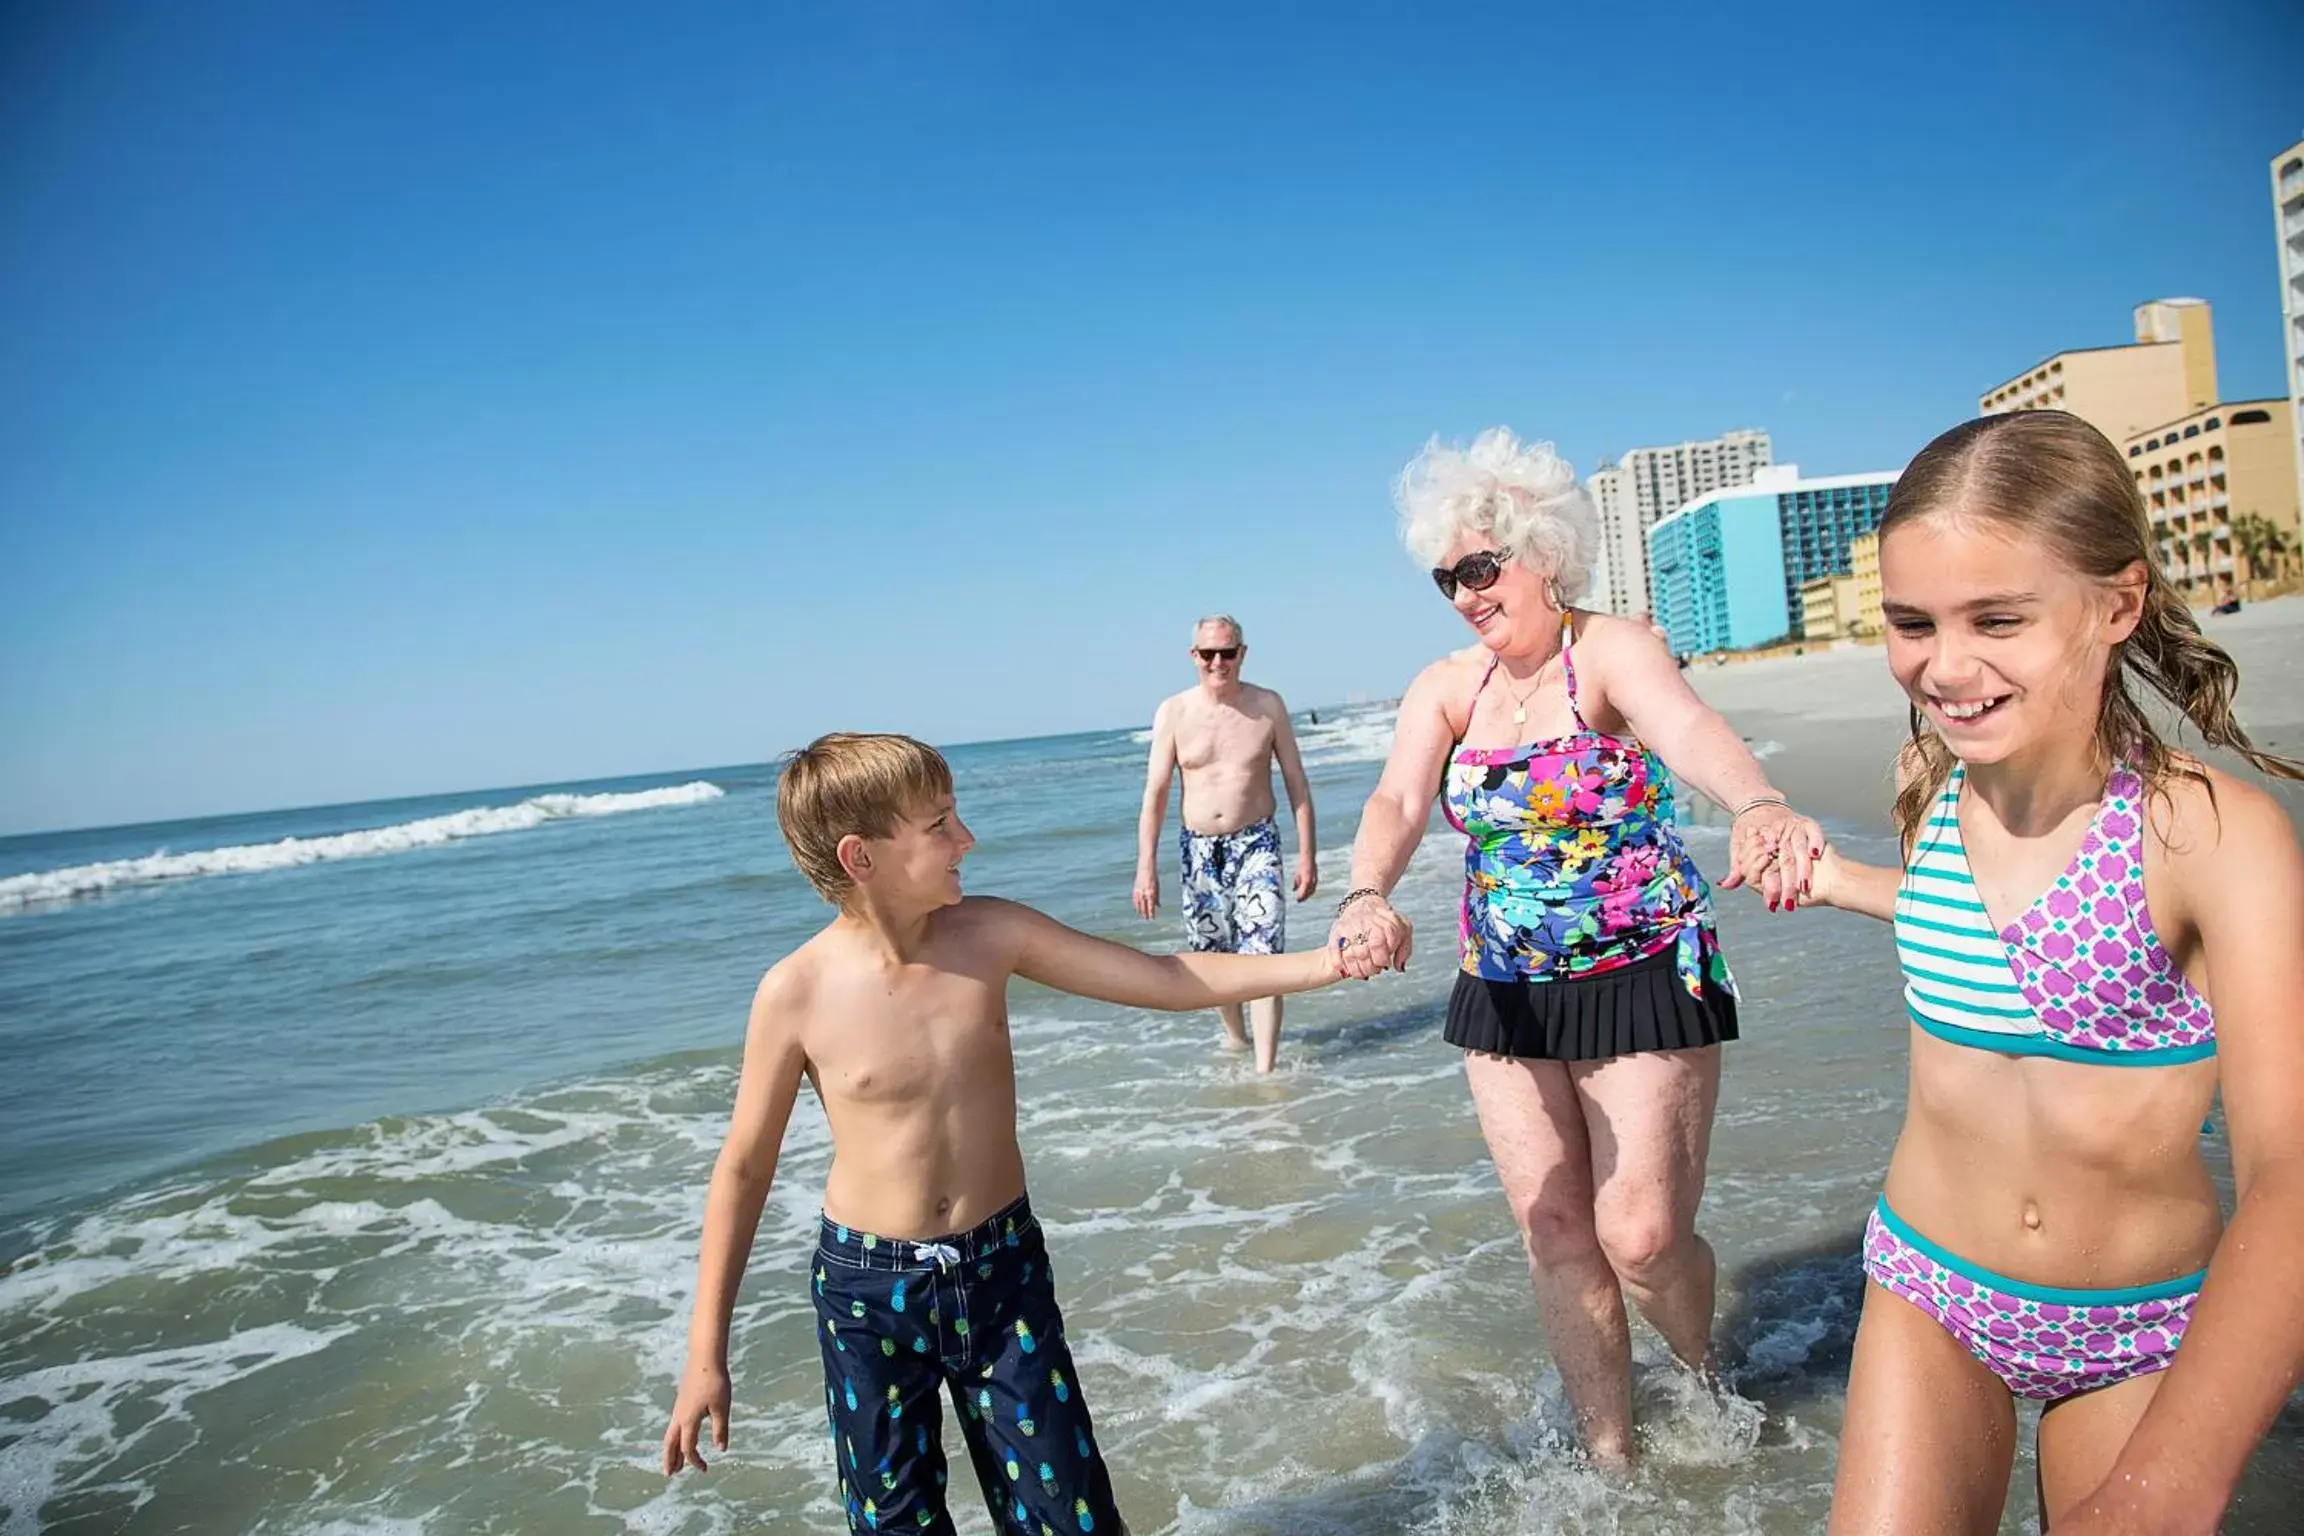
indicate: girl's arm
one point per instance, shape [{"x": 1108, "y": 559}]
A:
[
  {"x": 2239, "y": 879},
  {"x": 1068, "y": 960},
  {"x": 1852, "y": 887}
]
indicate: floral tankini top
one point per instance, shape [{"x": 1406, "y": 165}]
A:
[{"x": 1572, "y": 864}]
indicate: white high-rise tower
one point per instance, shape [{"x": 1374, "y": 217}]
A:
[
  {"x": 1649, "y": 483},
  {"x": 2288, "y": 214}
]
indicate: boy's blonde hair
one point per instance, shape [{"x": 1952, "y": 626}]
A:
[{"x": 848, "y": 784}]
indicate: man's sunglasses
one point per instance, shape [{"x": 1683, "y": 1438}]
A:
[
  {"x": 1477, "y": 570},
  {"x": 1227, "y": 652}
]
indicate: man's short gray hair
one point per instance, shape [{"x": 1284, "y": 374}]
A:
[
  {"x": 1523, "y": 496},
  {"x": 1225, "y": 620}
]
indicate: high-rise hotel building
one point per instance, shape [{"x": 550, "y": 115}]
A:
[
  {"x": 1648, "y": 484},
  {"x": 1730, "y": 565},
  {"x": 2288, "y": 212},
  {"x": 2169, "y": 372}
]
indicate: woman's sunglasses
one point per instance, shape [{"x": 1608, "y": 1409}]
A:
[
  {"x": 1477, "y": 570},
  {"x": 1224, "y": 652}
]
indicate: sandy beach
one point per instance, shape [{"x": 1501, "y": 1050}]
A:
[{"x": 1837, "y": 717}]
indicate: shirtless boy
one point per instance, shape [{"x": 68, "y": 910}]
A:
[
  {"x": 930, "y": 1271},
  {"x": 1225, "y": 736}
]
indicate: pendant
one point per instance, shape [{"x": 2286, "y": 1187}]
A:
[{"x": 1520, "y": 716}]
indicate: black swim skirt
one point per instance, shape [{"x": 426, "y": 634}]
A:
[{"x": 1637, "y": 1007}]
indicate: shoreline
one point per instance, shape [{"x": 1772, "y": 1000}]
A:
[{"x": 1839, "y": 718}]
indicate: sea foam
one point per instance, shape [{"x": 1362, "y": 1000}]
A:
[{"x": 80, "y": 881}]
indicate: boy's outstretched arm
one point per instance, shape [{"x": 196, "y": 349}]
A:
[
  {"x": 1068, "y": 960},
  {"x": 773, "y": 1063}
]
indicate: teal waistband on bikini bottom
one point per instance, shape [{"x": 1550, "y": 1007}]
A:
[{"x": 2166, "y": 1290}]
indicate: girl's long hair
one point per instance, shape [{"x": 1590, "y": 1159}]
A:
[{"x": 2056, "y": 479}]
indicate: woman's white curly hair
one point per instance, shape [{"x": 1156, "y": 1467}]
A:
[{"x": 1524, "y": 496}]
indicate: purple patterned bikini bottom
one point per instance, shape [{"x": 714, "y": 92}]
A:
[{"x": 2043, "y": 1341}]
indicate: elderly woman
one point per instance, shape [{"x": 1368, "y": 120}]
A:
[{"x": 1592, "y": 996}]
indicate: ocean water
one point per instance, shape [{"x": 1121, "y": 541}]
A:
[{"x": 352, "y": 1164}]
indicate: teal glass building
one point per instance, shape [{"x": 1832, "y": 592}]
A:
[{"x": 1726, "y": 569}]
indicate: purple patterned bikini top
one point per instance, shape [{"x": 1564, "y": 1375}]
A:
[{"x": 2079, "y": 974}]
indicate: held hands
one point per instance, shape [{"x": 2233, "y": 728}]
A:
[
  {"x": 1773, "y": 849},
  {"x": 1146, "y": 895},
  {"x": 1307, "y": 877},
  {"x": 704, "y": 1391},
  {"x": 1369, "y": 937},
  {"x": 1824, "y": 878}
]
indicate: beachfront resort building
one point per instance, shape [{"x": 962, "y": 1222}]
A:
[
  {"x": 1632, "y": 493},
  {"x": 1828, "y": 608},
  {"x": 2121, "y": 391},
  {"x": 1718, "y": 567},
  {"x": 1727, "y": 569},
  {"x": 2209, "y": 470},
  {"x": 1864, "y": 565},
  {"x": 2288, "y": 230}
]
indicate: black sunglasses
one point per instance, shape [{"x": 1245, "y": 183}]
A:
[
  {"x": 1477, "y": 570},
  {"x": 1221, "y": 652}
]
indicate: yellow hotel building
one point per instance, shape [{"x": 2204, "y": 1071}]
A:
[
  {"x": 2122, "y": 391},
  {"x": 1864, "y": 566},
  {"x": 2205, "y": 468}
]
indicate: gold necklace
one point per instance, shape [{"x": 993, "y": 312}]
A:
[{"x": 1520, "y": 700}]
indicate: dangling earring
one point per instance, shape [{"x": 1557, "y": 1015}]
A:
[{"x": 1552, "y": 595}]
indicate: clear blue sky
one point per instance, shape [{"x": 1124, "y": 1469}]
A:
[{"x": 415, "y": 396}]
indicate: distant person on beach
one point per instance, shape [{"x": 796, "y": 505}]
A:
[
  {"x": 2227, "y": 600},
  {"x": 1225, "y": 736},
  {"x": 1591, "y": 996},
  {"x": 2098, "y": 933},
  {"x": 930, "y": 1271}
]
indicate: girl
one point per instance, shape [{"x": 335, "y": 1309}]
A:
[{"x": 2097, "y": 933}]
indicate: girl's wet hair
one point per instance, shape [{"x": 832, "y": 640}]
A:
[{"x": 2052, "y": 477}]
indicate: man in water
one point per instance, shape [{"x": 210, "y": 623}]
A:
[{"x": 1225, "y": 735}]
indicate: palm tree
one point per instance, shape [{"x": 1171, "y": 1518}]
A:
[{"x": 2263, "y": 544}]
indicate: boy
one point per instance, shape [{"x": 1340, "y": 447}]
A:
[{"x": 931, "y": 1270}]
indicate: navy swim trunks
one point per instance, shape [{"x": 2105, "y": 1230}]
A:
[
  {"x": 973, "y": 1314},
  {"x": 1233, "y": 903}
]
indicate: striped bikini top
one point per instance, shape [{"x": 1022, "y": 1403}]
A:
[{"x": 2079, "y": 975}]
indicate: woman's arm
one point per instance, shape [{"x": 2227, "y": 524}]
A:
[
  {"x": 1068, "y": 960},
  {"x": 1637, "y": 677},
  {"x": 1392, "y": 824},
  {"x": 2239, "y": 878}
]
